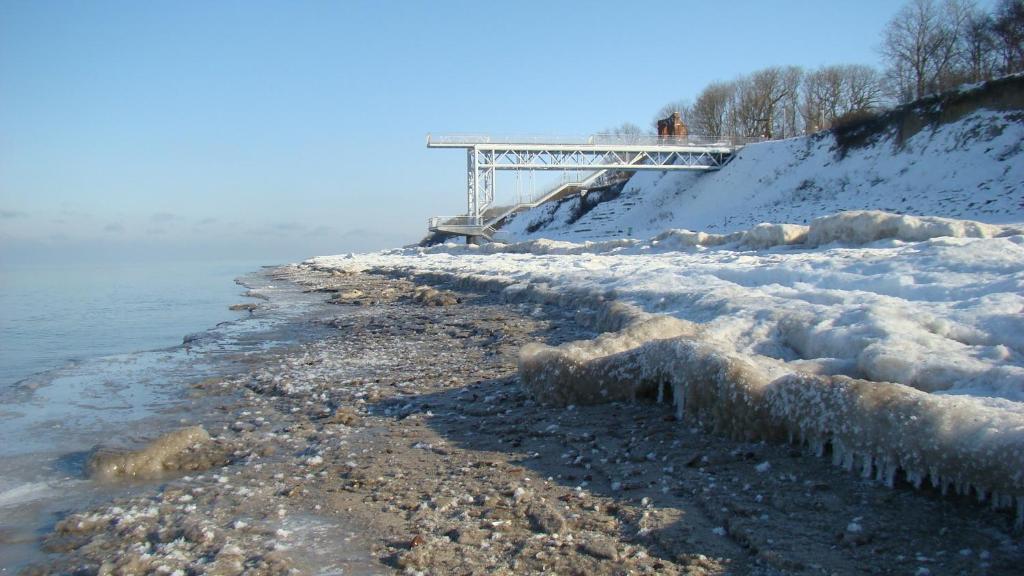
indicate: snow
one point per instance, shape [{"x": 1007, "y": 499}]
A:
[
  {"x": 895, "y": 339},
  {"x": 971, "y": 169}
]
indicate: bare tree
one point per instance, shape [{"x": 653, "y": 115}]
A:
[
  {"x": 862, "y": 87},
  {"x": 766, "y": 103},
  {"x": 709, "y": 114},
  {"x": 922, "y": 45},
  {"x": 979, "y": 60},
  {"x": 627, "y": 132},
  {"x": 744, "y": 115},
  {"x": 788, "y": 122},
  {"x": 822, "y": 97},
  {"x": 836, "y": 91},
  {"x": 1008, "y": 34}
]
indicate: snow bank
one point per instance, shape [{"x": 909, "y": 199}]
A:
[
  {"x": 940, "y": 315},
  {"x": 896, "y": 340},
  {"x": 767, "y": 235},
  {"x": 855, "y": 227},
  {"x": 862, "y": 227},
  {"x": 959, "y": 443},
  {"x": 589, "y": 372}
]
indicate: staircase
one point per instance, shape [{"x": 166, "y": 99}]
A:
[{"x": 493, "y": 217}]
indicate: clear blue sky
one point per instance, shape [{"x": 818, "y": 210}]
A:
[{"x": 289, "y": 129}]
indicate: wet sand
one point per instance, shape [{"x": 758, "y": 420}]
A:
[{"x": 403, "y": 442}]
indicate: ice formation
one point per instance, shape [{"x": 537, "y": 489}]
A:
[
  {"x": 958, "y": 443},
  {"x": 864, "y": 226},
  {"x": 896, "y": 341},
  {"x": 152, "y": 461},
  {"x": 854, "y": 227}
]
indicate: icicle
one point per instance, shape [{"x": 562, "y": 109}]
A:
[
  {"x": 890, "y": 474},
  {"x": 819, "y": 447},
  {"x": 848, "y": 459},
  {"x": 679, "y": 397},
  {"x": 837, "y": 452},
  {"x": 867, "y": 465},
  {"x": 661, "y": 391},
  {"x": 1020, "y": 513}
]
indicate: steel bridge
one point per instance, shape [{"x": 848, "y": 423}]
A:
[{"x": 597, "y": 154}]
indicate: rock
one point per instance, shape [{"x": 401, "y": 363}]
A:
[
  {"x": 349, "y": 296},
  {"x": 346, "y": 417},
  {"x": 546, "y": 519},
  {"x": 470, "y": 536},
  {"x": 519, "y": 494},
  {"x": 599, "y": 546},
  {"x": 242, "y": 307},
  {"x": 430, "y": 297}
]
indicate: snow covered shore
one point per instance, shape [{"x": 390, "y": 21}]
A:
[{"x": 895, "y": 340}]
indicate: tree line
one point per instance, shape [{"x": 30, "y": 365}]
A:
[{"x": 928, "y": 46}]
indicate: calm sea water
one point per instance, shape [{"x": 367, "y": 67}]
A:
[
  {"x": 94, "y": 354},
  {"x": 51, "y": 315}
]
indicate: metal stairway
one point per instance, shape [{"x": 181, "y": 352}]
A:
[{"x": 492, "y": 217}]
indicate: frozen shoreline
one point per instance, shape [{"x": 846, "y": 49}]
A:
[
  {"x": 894, "y": 340},
  {"x": 406, "y": 442}
]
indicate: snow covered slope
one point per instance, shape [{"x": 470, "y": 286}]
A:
[{"x": 970, "y": 166}]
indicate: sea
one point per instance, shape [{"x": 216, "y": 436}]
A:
[{"x": 104, "y": 355}]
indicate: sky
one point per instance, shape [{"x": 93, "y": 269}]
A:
[{"x": 285, "y": 130}]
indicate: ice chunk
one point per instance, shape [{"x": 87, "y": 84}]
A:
[
  {"x": 769, "y": 235},
  {"x": 163, "y": 454},
  {"x": 863, "y": 226}
]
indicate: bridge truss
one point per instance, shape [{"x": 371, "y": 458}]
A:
[{"x": 485, "y": 155}]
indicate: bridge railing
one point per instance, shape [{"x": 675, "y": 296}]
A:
[
  {"x": 453, "y": 221},
  {"x": 592, "y": 140}
]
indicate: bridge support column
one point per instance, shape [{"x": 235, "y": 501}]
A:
[
  {"x": 489, "y": 182},
  {"x": 472, "y": 186}
]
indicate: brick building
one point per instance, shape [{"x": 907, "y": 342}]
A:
[{"x": 672, "y": 126}]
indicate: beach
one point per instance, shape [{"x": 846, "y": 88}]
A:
[{"x": 402, "y": 440}]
